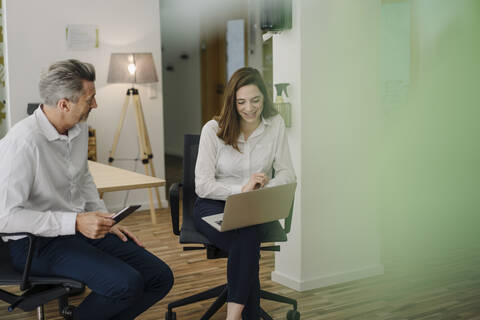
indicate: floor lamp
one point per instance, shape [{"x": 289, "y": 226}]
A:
[{"x": 135, "y": 68}]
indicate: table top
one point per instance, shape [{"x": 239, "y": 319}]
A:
[{"x": 110, "y": 178}]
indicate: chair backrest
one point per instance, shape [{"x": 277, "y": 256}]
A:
[
  {"x": 190, "y": 153},
  {"x": 288, "y": 220}
]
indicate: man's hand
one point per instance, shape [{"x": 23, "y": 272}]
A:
[
  {"x": 256, "y": 181},
  {"x": 94, "y": 225},
  {"x": 123, "y": 233}
]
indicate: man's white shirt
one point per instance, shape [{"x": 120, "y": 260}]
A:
[{"x": 44, "y": 178}]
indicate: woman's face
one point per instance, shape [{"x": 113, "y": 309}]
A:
[{"x": 249, "y": 103}]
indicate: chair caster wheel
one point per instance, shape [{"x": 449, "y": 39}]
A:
[
  {"x": 293, "y": 315},
  {"x": 170, "y": 315},
  {"x": 67, "y": 312}
]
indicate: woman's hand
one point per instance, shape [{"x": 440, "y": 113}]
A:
[
  {"x": 256, "y": 181},
  {"x": 123, "y": 233}
]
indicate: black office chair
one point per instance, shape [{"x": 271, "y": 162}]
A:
[
  {"x": 37, "y": 291},
  {"x": 189, "y": 235}
]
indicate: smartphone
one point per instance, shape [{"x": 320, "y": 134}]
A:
[{"x": 125, "y": 212}]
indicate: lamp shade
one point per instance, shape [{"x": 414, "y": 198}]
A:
[{"x": 132, "y": 68}]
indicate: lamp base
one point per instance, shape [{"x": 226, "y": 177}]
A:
[{"x": 144, "y": 143}]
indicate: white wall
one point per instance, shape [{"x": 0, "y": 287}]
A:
[
  {"x": 331, "y": 58},
  {"x": 287, "y": 66},
  {"x": 35, "y": 37},
  {"x": 182, "y": 96},
  {"x": 341, "y": 114}
]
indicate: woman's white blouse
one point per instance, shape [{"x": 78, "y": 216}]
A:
[{"x": 222, "y": 171}]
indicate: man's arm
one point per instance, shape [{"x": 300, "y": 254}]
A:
[
  {"x": 90, "y": 193},
  {"x": 94, "y": 225},
  {"x": 17, "y": 177}
]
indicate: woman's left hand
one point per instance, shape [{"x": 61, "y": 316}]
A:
[
  {"x": 123, "y": 233},
  {"x": 261, "y": 180},
  {"x": 256, "y": 181}
]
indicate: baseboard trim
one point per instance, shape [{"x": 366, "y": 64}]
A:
[
  {"x": 286, "y": 280},
  {"x": 327, "y": 280}
]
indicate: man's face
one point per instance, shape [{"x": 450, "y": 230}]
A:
[{"x": 85, "y": 103}]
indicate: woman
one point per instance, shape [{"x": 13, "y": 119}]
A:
[{"x": 238, "y": 152}]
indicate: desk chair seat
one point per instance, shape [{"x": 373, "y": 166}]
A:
[
  {"x": 37, "y": 291},
  {"x": 271, "y": 232}
]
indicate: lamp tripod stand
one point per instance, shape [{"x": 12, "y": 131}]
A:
[{"x": 143, "y": 142}]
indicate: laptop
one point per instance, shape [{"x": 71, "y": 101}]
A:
[{"x": 254, "y": 207}]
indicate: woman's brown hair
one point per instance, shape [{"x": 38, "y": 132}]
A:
[{"x": 229, "y": 119}]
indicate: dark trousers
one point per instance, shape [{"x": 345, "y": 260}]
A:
[
  {"x": 243, "y": 247},
  {"x": 125, "y": 279}
]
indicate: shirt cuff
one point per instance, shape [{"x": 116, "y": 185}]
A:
[
  {"x": 236, "y": 189},
  {"x": 68, "y": 222}
]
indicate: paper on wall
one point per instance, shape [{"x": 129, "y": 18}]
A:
[{"x": 82, "y": 36}]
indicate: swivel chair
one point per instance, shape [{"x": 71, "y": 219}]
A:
[
  {"x": 37, "y": 291},
  {"x": 189, "y": 235}
]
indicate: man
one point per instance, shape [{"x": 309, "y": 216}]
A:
[{"x": 46, "y": 189}]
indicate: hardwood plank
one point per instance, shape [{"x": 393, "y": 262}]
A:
[{"x": 445, "y": 287}]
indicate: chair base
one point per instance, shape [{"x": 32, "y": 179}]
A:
[
  {"x": 65, "y": 310},
  {"x": 26, "y": 301},
  {"x": 220, "y": 292}
]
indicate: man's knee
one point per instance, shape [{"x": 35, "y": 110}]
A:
[
  {"x": 169, "y": 279},
  {"x": 162, "y": 281},
  {"x": 128, "y": 288}
]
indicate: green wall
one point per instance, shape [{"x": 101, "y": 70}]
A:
[{"x": 431, "y": 150}]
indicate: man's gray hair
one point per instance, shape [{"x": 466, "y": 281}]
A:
[{"x": 64, "y": 80}]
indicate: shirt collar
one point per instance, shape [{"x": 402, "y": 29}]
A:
[
  {"x": 49, "y": 130},
  {"x": 258, "y": 131},
  {"x": 266, "y": 121}
]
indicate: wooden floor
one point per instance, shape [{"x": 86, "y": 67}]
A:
[{"x": 432, "y": 289}]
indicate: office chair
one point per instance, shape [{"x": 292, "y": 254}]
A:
[
  {"x": 189, "y": 235},
  {"x": 36, "y": 290}
]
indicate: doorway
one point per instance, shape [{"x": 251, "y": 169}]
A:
[
  {"x": 228, "y": 21},
  {"x": 194, "y": 67}
]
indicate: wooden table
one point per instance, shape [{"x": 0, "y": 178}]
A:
[{"x": 109, "y": 178}]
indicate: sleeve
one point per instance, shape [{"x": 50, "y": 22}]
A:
[
  {"x": 206, "y": 186},
  {"x": 90, "y": 193},
  {"x": 17, "y": 178},
  {"x": 282, "y": 162}
]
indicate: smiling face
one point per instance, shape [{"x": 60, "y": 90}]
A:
[{"x": 249, "y": 103}]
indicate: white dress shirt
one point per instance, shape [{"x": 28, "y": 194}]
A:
[
  {"x": 44, "y": 178},
  {"x": 222, "y": 170}
]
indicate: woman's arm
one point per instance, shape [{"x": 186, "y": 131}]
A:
[
  {"x": 282, "y": 162},
  {"x": 206, "y": 186}
]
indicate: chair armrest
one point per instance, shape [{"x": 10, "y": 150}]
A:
[
  {"x": 31, "y": 246},
  {"x": 175, "y": 207}
]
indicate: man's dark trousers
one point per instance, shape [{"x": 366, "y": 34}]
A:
[{"x": 125, "y": 279}]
